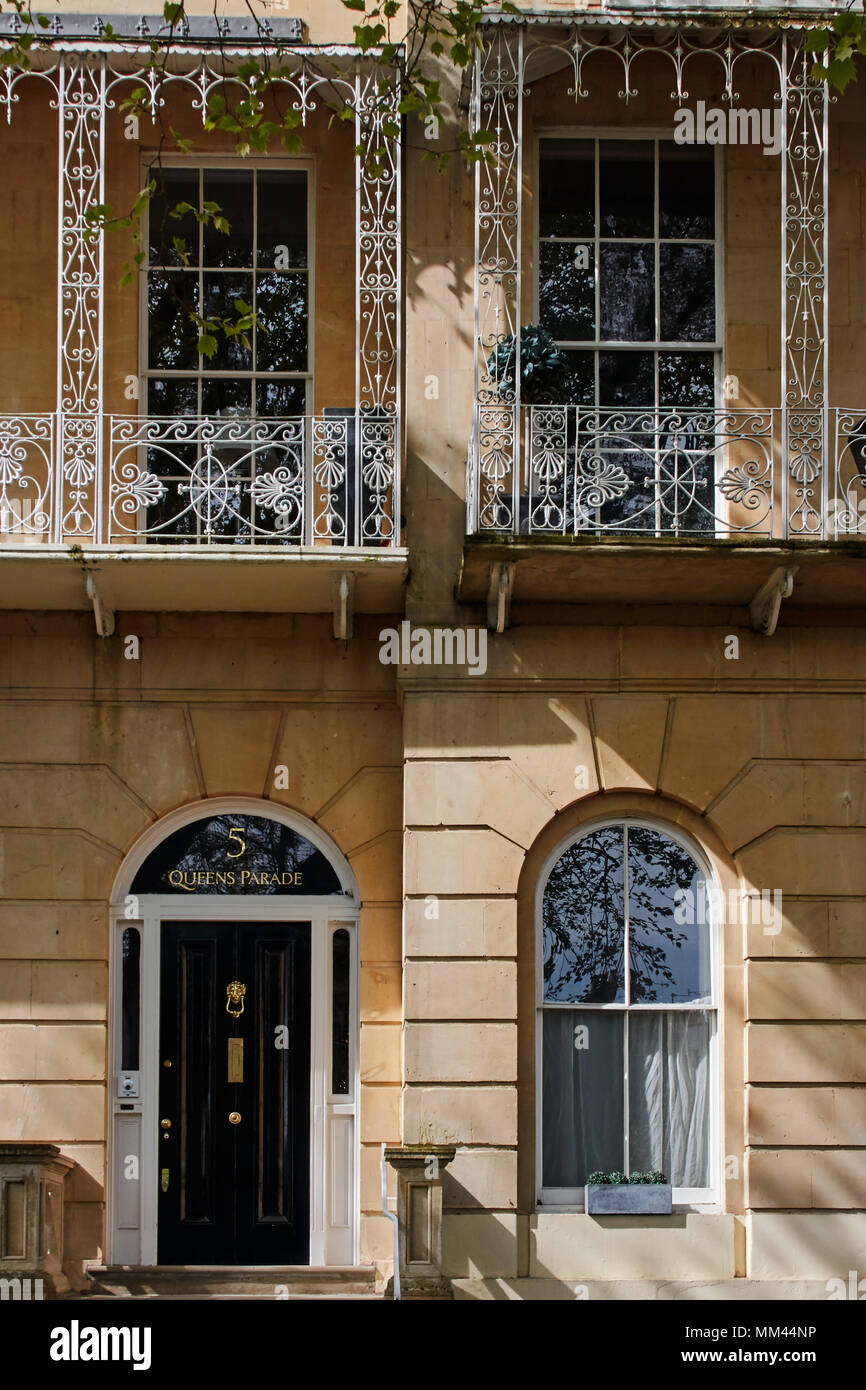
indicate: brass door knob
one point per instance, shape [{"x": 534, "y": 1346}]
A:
[
  {"x": 165, "y": 1124},
  {"x": 234, "y": 1118}
]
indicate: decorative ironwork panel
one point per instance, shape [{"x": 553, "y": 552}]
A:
[
  {"x": 656, "y": 472},
  {"x": 804, "y": 292},
  {"x": 498, "y": 107},
  {"x": 81, "y": 114},
  {"x": 846, "y": 514},
  {"x": 197, "y": 479},
  {"x": 377, "y": 280},
  {"x": 27, "y": 445}
]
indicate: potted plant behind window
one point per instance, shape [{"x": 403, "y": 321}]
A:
[
  {"x": 544, "y": 368},
  {"x": 640, "y": 1194}
]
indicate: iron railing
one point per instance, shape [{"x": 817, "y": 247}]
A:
[
  {"x": 662, "y": 472},
  {"x": 328, "y": 479}
]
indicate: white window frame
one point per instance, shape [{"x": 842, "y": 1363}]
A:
[
  {"x": 598, "y": 135},
  {"x": 552, "y": 1198},
  {"x": 133, "y": 1130},
  {"x": 200, "y": 161}
]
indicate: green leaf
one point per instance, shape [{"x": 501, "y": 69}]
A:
[
  {"x": 179, "y": 244},
  {"x": 368, "y": 35},
  {"x": 847, "y": 24},
  {"x": 841, "y": 71},
  {"x": 242, "y": 307},
  {"x": 207, "y": 345},
  {"x": 817, "y": 41},
  {"x": 172, "y": 14},
  {"x": 355, "y": 5}
]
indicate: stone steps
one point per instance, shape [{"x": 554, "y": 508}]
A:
[{"x": 273, "y": 1282}]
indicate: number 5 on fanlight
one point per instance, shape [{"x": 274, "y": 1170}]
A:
[{"x": 236, "y": 836}]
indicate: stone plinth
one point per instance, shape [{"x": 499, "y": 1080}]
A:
[
  {"x": 420, "y": 1169},
  {"x": 31, "y": 1220}
]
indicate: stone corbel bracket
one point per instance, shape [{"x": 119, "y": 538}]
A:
[
  {"x": 764, "y": 607},
  {"x": 499, "y": 596},
  {"x": 344, "y": 607},
  {"x": 103, "y": 615}
]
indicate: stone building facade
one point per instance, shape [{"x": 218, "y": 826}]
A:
[{"x": 174, "y": 666}]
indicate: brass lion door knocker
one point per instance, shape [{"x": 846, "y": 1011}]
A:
[{"x": 235, "y": 992}]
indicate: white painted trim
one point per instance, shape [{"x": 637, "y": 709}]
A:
[
  {"x": 325, "y": 915},
  {"x": 198, "y": 161},
  {"x": 706, "y": 1197}
]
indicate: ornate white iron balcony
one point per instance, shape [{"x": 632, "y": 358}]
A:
[
  {"x": 200, "y": 481},
  {"x": 656, "y": 471}
]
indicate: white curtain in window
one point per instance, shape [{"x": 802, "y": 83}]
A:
[
  {"x": 583, "y": 1107},
  {"x": 669, "y": 1060}
]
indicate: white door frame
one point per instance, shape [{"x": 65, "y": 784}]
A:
[{"x": 133, "y": 1128}]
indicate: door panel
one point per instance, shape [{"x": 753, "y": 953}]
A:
[{"x": 234, "y": 1193}]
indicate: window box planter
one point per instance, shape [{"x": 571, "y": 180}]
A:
[{"x": 628, "y": 1199}]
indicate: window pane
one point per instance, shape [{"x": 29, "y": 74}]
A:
[
  {"x": 626, "y": 378},
  {"x": 668, "y": 1095},
  {"x": 232, "y": 190},
  {"x": 223, "y": 396},
  {"x": 582, "y": 1094},
  {"x": 669, "y": 960},
  {"x": 281, "y": 398},
  {"x": 626, "y": 177},
  {"x": 687, "y": 294},
  {"x": 584, "y": 922},
  {"x": 567, "y": 193},
  {"x": 172, "y": 396},
  {"x": 566, "y": 294},
  {"x": 221, "y": 294},
  {"x": 687, "y": 191},
  {"x": 340, "y": 1015},
  {"x": 581, "y": 378},
  {"x": 687, "y": 379},
  {"x": 171, "y": 297},
  {"x": 131, "y": 992},
  {"x": 627, "y": 292},
  {"x": 173, "y": 186},
  {"x": 281, "y": 304},
  {"x": 282, "y": 218}
]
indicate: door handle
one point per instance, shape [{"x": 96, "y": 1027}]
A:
[
  {"x": 234, "y": 1118},
  {"x": 165, "y": 1126}
]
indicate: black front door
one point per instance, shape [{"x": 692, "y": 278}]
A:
[{"x": 234, "y": 1095}]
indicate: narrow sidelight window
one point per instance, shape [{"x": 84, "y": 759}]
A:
[
  {"x": 340, "y": 976},
  {"x": 131, "y": 999}
]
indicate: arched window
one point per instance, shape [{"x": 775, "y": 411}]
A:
[{"x": 627, "y": 1010}]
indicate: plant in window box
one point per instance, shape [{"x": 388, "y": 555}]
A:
[
  {"x": 640, "y": 1194},
  {"x": 544, "y": 368}
]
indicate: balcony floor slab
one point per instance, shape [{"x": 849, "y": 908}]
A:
[
  {"x": 657, "y": 571},
  {"x": 167, "y": 579}
]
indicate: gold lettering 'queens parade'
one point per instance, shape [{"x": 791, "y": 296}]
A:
[
  {"x": 237, "y": 854},
  {"x": 242, "y": 878}
]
